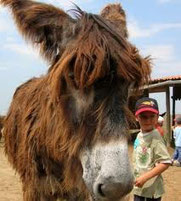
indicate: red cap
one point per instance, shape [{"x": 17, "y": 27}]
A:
[{"x": 146, "y": 104}]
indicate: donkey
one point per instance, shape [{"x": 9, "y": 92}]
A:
[{"x": 66, "y": 132}]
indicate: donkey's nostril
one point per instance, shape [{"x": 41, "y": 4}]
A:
[
  {"x": 100, "y": 190},
  {"x": 112, "y": 191}
]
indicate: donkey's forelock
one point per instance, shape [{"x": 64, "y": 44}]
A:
[{"x": 96, "y": 52}]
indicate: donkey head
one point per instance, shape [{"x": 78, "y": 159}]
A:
[
  {"x": 91, "y": 81},
  {"x": 92, "y": 68}
]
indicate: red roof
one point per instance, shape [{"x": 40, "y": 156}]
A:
[{"x": 163, "y": 79}]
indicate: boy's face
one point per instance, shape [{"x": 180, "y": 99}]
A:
[{"x": 147, "y": 121}]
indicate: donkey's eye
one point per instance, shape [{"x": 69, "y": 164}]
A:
[
  {"x": 71, "y": 75},
  {"x": 112, "y": 72}
]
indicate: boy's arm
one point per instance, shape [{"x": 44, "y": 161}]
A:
[{"x": 157, "y": 170}]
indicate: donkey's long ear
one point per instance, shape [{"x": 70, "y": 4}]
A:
[
  {"x": 115, "y": 14},
  {"x": 42, "y": 24}
]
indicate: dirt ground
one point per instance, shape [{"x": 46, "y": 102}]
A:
[{"x": 10, "y": 187}]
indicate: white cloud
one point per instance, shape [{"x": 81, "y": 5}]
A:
[
  {"x": 168, "y": 1},
  {"x": 161, "y": 53},
  {"x": 20, "y": 49},
  {"x": 166, "y": 69},
  {"x": 10, "y": 39},
  {"x": 164, "y": 1},
  {"x": 164, "y": 61},
  {"x": 25, "y": 51},
  {"x": 6, "y": 21},
  {"x": 3, "y": 68},
  {"x": 135, "y": 31},
  {"x": 4, "y": 26},
  {"x": 4, "y": 11},
  {"x": 1, "y": 9}
]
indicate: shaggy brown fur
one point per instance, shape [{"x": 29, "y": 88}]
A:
[{"x": 46, "y": 127}]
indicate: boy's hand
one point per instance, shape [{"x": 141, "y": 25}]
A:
[
  {"x": 139, "y": 182},
  {"x": 157, "y": 170}
]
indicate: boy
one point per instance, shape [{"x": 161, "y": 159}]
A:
[
  {"x": 177, "y": 137},
  {"x": 151, "y": 157}
]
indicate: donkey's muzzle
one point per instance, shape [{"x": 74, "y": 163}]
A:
[{"x": 106, "y": 171}]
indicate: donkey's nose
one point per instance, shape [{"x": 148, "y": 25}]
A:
[{"x": 112, "y": 191}]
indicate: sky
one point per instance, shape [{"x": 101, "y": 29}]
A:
[{"x": 154, "y": 26}]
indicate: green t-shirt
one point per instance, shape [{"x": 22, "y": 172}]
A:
[{"x": 149, "y": 150}]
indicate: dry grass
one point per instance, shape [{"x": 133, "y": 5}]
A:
[{"x": 10, "y": 187}]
